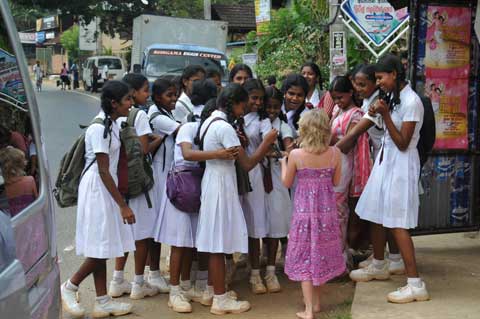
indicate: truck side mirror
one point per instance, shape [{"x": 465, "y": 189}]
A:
[{"x": 137, "y": 68}]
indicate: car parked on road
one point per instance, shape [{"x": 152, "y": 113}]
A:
[{"x": 116, "y": 69}]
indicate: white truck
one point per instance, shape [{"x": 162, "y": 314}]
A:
[{"x": 164, "y": 46}]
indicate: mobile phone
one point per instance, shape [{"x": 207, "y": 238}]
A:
[{"x": 277, "y": 151}]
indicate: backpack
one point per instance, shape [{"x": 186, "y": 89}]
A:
[
  {"x": 152, "y": 117},
  {"x": 427, "y": 132},
  {"x": 140, "y": 172},
  {"x": 72, "y": 169}
]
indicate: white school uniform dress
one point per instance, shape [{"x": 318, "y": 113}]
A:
[
  {"x": 183, "y": 108},
  {"x": 100, "y": 232},
  {"x": 221, "y": 223},
  {"x": 177, "y": 228},
  {"x": 375, "y": 133},
  {"x": 395, "y": 180},
  {"x": 314, "y": 99},
  {"x": 163, "y": 124},
  {"x": 253, "y": 203},
  {"x": 278, "y": 204},
  {"x": 144, "y": 216}
]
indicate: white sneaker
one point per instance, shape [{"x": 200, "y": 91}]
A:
[
  {"x": 366, "y": 262},
  {"x": 111, "y": 308},
  {"x": 272, "y": 283},
  {"x": 222, "y": 306},
  {"x": 194, "y": 294},
  {"x": 396, "y": 267},
  {"x": 70, "y": 302},
  {"x": 207, "y": 296},
  {"x": 142, "y": 291},
  {"x": 118, "y": 289},
  {"x": 257, "y": 286},
  {"x": 160, "y": 283},
  {"x": 369, "y": 273},
  {"x": 179, "y": 303},
  {"x": 409, "y": 293}
]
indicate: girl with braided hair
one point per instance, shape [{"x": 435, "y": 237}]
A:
[
  {"x": 221, "y": 225},
  {"x": 394, "y": 179}
]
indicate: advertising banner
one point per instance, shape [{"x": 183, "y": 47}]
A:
[
  {"x": 377, "y": 19},
  {"x": 262, "y": 15},
  {"x": 447, "y": 68}
]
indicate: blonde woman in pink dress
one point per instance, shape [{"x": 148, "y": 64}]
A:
[{"x": 314, "y": 252}]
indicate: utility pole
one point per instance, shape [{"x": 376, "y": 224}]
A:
[
  {"x": 207, "y": 9},
  {"x": 338, "y": 42}
]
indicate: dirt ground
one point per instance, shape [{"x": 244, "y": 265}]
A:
[{"x": 336, "y": 303}]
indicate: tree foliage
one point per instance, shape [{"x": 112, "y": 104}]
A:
[
  {"x": 69, "y": 41},
  {"x": 295, "y": 35}
]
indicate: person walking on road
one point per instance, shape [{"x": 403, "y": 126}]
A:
[
  {"x": 38, "y": 73},
  {"x": 94, "y": 78},
  {"x": 105, "y": 74},
  {"x": 64, "y": 77},
  {"x": 74, "y": 70}
]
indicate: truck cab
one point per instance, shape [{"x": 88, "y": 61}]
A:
[{"x": 169, "y": 60}]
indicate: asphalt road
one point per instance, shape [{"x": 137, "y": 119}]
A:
[{"x": 61, "y": 112}]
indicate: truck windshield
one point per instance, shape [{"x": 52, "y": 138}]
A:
[{"x": 159, "y": 65}]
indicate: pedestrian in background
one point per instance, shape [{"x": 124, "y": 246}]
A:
[
  {"x": 65, "y": 80},
  {"x": 38, "y": 74},
  {"x": 105, "y": 74},
  {"x": 314, "y": 252},
  {"x": 94, "y": 78},
  {"x": 74, "y": 70}
]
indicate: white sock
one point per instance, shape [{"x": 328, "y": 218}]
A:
[
  {"x": 202, "y": 275},
  {"x": 146, "y": 270},
  {"x": 379, "y": 264},
  {"x": 103, "y": 299},
  {"x": 255, "y": 273},
  {"x": 221, "y": 297},
  {"x": 118, "y": 276},
  {"x": 154, "y": 273},
  {"x": 395, "y": 257},
  {"x": 270, "y": 270},
  {"x": 201, "y": 284},
  {"x": 174, "y": 290},
  {"x": 415, "y": 282},
  {"x": 185, "y": 284},
  {"x": 138, "y": 279},
  {"x": 210, "y": 289},
  {"x": 71, "y": 286}
]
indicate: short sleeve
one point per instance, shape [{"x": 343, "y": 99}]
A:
[
  {"x": 142, "y": 124},
  {"x": 165, "y": 125},
  {"x": 94, "y": 137},
  {"x": 227, "y": 135},
  {"x": 285, "y": 131},
  {"x": 186, "y": 134},
  {"x": 377, "y": 119},
  {"x": 357, "y": 116},
  {"x": 265, "y": 126},
  {"x": 413, "y": 110}
]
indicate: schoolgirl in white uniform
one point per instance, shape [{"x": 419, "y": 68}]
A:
[
  {"x": 394, "y": 178},
  {"x": 101, "y": 211},
  {"x": 278, "y": 204},
  {"x": 295, "y": 89},
  {"x": 256, "y": 125},
  {"x": 146, "y": 216},
  {"x": 366, "y": 87},
  {"x": 311, "y": 72},
  {"x": 221, "y": 226},
  {"x": 184, "y": 106},
  {"x": 163, "y": 123}
]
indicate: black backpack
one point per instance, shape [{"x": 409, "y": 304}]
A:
[{"x": 427, "y": 132}]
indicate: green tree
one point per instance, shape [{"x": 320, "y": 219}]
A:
[
  {"x": 295, "y": 35},
  {"x": 69, "y": 41}
]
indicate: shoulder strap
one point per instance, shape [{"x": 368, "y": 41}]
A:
[
  {"x": 132, "y": 116},
  {"x": 186, "y": 106},
  {"x": 206, "y": 130},
  {"x": 153, "y": 116}
]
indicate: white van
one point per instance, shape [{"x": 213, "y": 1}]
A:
[{"x": 116, "y": 69}]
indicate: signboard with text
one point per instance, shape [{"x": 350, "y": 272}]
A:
[
  {"x": 376, "y": 19},
  {"x": 262, "y": 15}
]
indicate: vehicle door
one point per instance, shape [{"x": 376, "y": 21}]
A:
[{"x": 29, "y": 272}]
